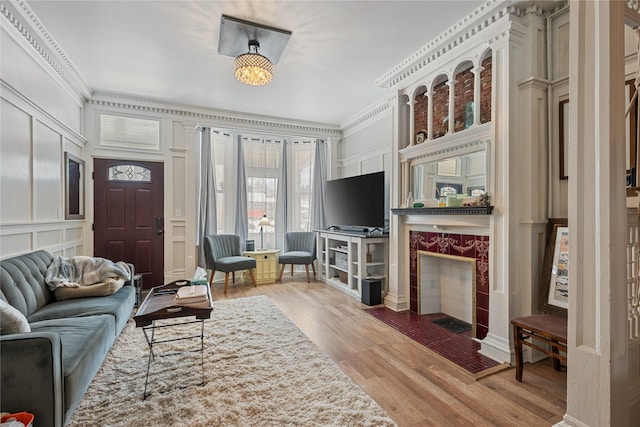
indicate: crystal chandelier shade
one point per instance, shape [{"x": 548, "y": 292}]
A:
[{"x": 252, "y": 68}]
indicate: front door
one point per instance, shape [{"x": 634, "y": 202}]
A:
[{"x": 128, "y": 215}]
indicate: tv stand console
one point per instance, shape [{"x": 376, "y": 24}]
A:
[{"x": 346, "y": 258}]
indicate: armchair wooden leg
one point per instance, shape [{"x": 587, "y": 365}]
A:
[
  {"x": 306, "y": 267},
  {"x": 233, "y": 275},
  {"x": 211, "y": 277},
  {"x": 281, "y": 271},
  {"x": 226, "y": 281},
  {"x": 314, "y": 269},
  {"x": 292, "y": 269},
  {"x": 253, "y": 277}
]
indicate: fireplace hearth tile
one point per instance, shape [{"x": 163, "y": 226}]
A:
[{"x": 460, "y": 348}]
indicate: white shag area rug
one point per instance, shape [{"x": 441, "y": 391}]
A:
[{"x": 260, "y": 370}]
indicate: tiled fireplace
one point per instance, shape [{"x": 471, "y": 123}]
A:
[{"x": 463, "y": 247}]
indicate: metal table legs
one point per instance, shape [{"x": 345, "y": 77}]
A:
[{"x": 150, "y": 336}]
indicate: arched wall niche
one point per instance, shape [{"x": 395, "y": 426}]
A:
[
  {"x": 421, "y": 112},
  {"x": 440, "y": 105},
  {"x": 471, "y": 82},
  {"x": 486, "y": 67},
  {"x": 463, "y": 100}
]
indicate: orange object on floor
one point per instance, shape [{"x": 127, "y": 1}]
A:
[{"x": 23, "y": 417}]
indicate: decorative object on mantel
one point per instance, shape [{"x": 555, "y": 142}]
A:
[
  {"x": 251, "y": 67},
  {"x": 409, "y": 202},
  {"x": 484, "y": 199}
]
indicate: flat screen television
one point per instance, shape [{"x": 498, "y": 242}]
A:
[{"x": 356, "y": 202}]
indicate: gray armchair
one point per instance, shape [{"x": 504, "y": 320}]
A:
[
  {"x": 223, "y": 253},
  {"x": 300, "y": 249}
]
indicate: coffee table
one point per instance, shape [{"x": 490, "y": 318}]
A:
[{"x": 160, "y": 305}]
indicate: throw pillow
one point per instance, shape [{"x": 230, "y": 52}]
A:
[
  {"x": 11, "y": 320},
  {"x": 102, "y": 289}
]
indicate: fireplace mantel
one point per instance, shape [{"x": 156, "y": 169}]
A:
[{"x": 464, "y": 210}]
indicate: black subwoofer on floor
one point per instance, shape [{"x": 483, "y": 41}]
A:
[{"x": 371, "y": 292}]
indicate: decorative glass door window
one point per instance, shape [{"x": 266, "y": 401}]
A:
[{"x": 129, "y": 173}]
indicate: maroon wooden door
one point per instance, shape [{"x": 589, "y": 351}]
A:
[{"x": 128, "y": 215}]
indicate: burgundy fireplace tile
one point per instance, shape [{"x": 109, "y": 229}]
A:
[
  {"x": 454, "y": 245},
  {"x": 481, "y": 331},
  {"x": 482, "y": 317},
  {"x": 482, "y": 247},
  {"x": 482, "y": 300},
  {"x": 482, "y": 283}
]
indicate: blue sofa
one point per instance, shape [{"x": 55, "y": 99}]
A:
[{"x": 47, "y": 371}]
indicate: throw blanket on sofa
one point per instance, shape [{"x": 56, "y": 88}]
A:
[{"x": 83, "y": 271}]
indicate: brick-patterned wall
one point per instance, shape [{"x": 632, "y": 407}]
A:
[
  {"x": 421, "y": 112},
  {"x": 463, "y": 93},
  {"x": 440, "y": 109},
  {"x": 485, "y": 91}
]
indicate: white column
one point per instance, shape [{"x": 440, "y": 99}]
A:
[
  {"x": 477, "y": 72},
  {"x": 412, "y": 121},
  {"x": 597, "y": 378},
  {"x": 452, "y": 96},
  {"x": 396, "y": 297},
  {"x": 429, "y": 94}
]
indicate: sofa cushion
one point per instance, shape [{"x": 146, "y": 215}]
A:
[
  {"x": 85, "y": 343},
  {"x": 119, "y": 304},
  {"x": 108, "y": 287},
  {"x": 11, "y": 320},
  {"x": 296, "y": 257}
]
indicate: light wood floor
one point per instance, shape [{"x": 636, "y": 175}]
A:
[{"x": 415, "y": 386}]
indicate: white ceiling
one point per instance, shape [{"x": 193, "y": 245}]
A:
[{"x": 168, "y": 50}]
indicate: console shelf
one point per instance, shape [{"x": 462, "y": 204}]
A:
[{"x": 345, "y": 259}]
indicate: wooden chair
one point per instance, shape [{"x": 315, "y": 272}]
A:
[
  {"x": 223, "y": 253},
  {"x": 300, "y": 247}
]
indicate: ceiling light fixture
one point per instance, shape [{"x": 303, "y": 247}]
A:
[{"x": 253, "y": 69}]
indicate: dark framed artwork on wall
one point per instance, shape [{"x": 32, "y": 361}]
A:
[
  {"x": 74, "y": 187},
  {"x": 563, "y": 137}
]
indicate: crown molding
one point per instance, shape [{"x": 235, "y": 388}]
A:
[
  {"x": 365, "y": 117},
  {"x": 211, "y": 117},
  {"x": 467, "y": 29},
  {"x": 25, "y": 22}
]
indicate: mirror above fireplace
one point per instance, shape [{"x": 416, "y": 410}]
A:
[{"x": 462, "y": 175}]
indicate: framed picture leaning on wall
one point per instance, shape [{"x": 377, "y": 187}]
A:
[{"x": 554, "y": 280}]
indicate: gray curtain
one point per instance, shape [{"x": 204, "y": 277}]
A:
[
  {"x": 319, "y": 183},
  {"x": 207, "y": 219},
  {"x": 242, "y": 216},
  {"x": 282, "y": 208}
]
